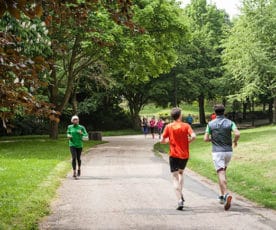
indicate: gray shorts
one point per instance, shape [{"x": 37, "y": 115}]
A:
[{"x": 221, "y": 160}]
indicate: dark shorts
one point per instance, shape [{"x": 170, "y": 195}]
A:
[
  {"x": 177, "y": 163},
  {"x": 152, "y": 129}
]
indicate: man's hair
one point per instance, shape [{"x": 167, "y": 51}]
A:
[
  {"x": 175, "y": 113},
  {"x": 219, "y": 109}
]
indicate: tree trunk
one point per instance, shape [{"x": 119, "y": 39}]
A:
[
  {"x": 274, "y": 111},
  {"x": 202, "y": 119},
  {"x": 270, "y": 111},
  {"x": 134, "y": 109},
  {"x": 244, "y": 109},
  {"x": 175, "y": 99},
  {"x": 136, "y": 122},
  {"x": 54, "y": 86},
  {"x": 224, "y": 101},
  {"x": 53, "y": 95},
  {"x": 53, "y": 130},
  {"x": 74, "y": 103},
  {"x": 253, "y": 114}
]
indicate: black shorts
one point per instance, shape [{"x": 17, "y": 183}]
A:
[
  {"x": 152, "y": 129},
  {"x": 177, "y": 163}
]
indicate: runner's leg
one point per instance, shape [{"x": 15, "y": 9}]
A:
[
  {"x": 222, "y": 181},
  {"x": 176, "y": 184},
  {"x": 181, "y": 179},
  {"x": 73, "y": 151},
  {"x": 79, "y": 150}
]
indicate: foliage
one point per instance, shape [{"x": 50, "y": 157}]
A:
[
  {"x": 23, "y": 47},
  {"x": 202, "y": 61},
  {"x": 250, "y": 51},
  {"x": 140, "y": 59},
  {"x": 82, "y": 35},
  {"x": 68, "y": 22}
]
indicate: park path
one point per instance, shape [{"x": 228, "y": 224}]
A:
[{"x": 125, "y": 186}]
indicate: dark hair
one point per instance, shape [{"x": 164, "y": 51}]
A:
[
  {"x": 175, "y": 113},
  {"x": 219, "y": 109}
]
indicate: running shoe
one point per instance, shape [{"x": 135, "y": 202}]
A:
[
  {"x": 227, "y": 201},
  {"x": 74, "y": 174},
  {"x": 221, "y": 199},
  {"x": 180, "y": 205},
  {"x": 79, "y": 172}
]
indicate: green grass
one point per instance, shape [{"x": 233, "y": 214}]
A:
[
  {"x": 252, "y": 171},
  {"x": 151, "y": 110},
  {"x": 121, "y": 132},
  {"x": 30, "y": 172}
]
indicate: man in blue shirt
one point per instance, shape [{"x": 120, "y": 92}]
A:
[{"x": 219, "y": 132}]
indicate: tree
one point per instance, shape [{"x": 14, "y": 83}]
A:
[
  {"x": 249, "y": 51},
  {"x": 207, "y": 25},
  {"x": 23, "y": 48},
  {"x": 142, "y": 57},
  {"x": 69, "y": 22},
  {"x": 81, "y": 33}
]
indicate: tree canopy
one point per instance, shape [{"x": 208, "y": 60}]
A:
[{"x": 80, "y": 56}]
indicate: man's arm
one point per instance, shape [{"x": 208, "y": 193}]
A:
[
  {"x": 192, "y": 137},
  {"x": 207, "y": 136},
  {"x": 164, "y": 141},
  {"x": 84, "y": 134},
  {"x": 236, "y": 137},
  {"x": 165, "y": 136},
  {"x": 236, "y": 134}
]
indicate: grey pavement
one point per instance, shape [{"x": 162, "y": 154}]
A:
[{"x": 125, "y": 186}]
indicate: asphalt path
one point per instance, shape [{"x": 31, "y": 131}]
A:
[{"x": 124, "y": 185}]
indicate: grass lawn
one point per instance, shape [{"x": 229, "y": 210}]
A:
[
  {"x": 252, "y": 171},
  {"x": 30, "y": 171},
  {"x": 121, "y": 132},
  {"x": 151, "y": 110}
]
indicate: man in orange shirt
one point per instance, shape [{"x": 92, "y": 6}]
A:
[{"x": 178, "y": 135}]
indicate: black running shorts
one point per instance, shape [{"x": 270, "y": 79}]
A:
[{"x": 177, "y": 163}]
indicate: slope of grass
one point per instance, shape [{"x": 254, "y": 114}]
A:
[
  {"x": 252, "y": 171},
  {"x": 151, "y": 110},
  {"x": 30, "y": 172},
  {"x": 121, "y": 132}
]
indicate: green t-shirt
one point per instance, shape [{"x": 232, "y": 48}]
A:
[{"x": 76, "y": 139}]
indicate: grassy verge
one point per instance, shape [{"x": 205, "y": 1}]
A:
[
  {"x": 252, "y": 171},
  {"x": 152, "y": 110},
  {"x": 121, "y": 132},
  {"x": 30, "y": 172}
]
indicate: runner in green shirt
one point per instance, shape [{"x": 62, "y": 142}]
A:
[{"x": 76, "y": 133}]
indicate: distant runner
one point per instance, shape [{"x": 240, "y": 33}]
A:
[
  {"x": 190, "y": 119},
  {"x": 144, "y": 125},
  {"x": 178, "y": 135},
  {"x": 152, "y": 124},
  {"x": 76, "y": 133},
  {"x": 219, "y": 132},
  {"x": 160, "y": 125}
]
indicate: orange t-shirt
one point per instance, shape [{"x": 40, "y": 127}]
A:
[{"x": 178, "y": 134}]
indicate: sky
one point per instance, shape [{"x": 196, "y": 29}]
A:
[{"x": 230, "y": 6}]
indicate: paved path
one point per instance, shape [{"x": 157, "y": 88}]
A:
[{"x": 125, "y": 186}]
